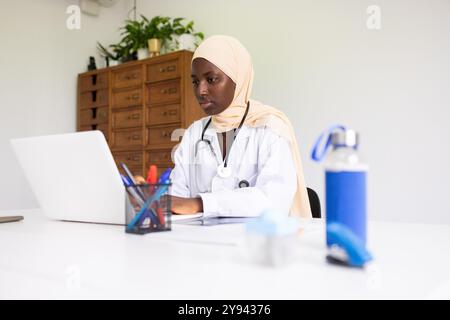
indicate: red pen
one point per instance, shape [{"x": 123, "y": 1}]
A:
[
  {"x": 152, "y": 179},
  {"x": 151, "y": 174}
]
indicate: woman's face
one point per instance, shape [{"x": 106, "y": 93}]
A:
[{"x": 213, "y": 88}]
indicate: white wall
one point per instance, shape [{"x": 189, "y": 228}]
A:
[
  {"x": 39, "y": 61},
  {"x": 315, "y": 60},
  {"x": 318, "y": 62}
]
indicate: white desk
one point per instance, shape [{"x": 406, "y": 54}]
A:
[{"x": 40, "y": 259}]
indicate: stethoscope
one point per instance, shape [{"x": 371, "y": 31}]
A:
[{"x": 223, "y": 170}]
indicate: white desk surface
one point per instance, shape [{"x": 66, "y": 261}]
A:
[{"x": 44, "y": 259}]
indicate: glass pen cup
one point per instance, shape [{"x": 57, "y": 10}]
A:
[{"x": 148, "y": 208}]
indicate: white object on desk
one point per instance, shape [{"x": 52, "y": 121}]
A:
[
  {"x": 73, "y": 176},
  {"x": 52, "y": 259},
  {"x": 186, "y": 217}
]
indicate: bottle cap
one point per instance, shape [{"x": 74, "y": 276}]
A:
[{"x": 347, "y": 138}]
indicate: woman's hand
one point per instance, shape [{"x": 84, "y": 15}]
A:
[
  {"x": 186, "y": 205},
  {"x": 180, "y": 205},
  {"x": 140, "y": 180}
]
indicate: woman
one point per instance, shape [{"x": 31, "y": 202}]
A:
[{"x": 243, "y": 158}]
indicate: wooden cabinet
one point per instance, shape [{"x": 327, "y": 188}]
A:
[{"x": 140, "y": 107}]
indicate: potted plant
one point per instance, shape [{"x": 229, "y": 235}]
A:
[
  {"x": 111, "y": 58},
  {"x": 185, "y": 38},
  {"x": 134, "y": 37},
  {"x": 158, "y": 30},
  {"x": 124, "y": 51}
]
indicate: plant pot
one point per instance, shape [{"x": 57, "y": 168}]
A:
[
  {"x": 142, "y": 53},
  {"x": 186, "y": 41},
  {"x": 171, "y": 45},
  {"x": 154, "y": 47},
  {"x": 113, "y": 63}
]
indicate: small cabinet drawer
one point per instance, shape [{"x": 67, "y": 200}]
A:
[
  {"x": 127, "y": 138},
  {"x": 93, "y": 81},
  {"x": 164, "y": 92},
  {"x": 94, "y": 98},
  {"x": 163, "y": 71},
  {"x": 127, "y": 98},
  {"x": 127, "y": 118},
  {"x": 163, "y": 114},
  {"x": 131, "y": 159},
  {"x": 161, "y": 136},
  {"x": 127, "y": 77},
  {"x": 101, "y": 127},
  {"x": 93, "y": 116},
  {"x": 158, "y": 156}
]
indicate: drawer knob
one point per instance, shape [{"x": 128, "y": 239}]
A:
[
  {"x": 133, "y": 97},
  {"x": 167, "y": 69},
  {"x": 170, "y": 90},
  {"x": 164, "y": 113},
  {"x": 135, "y": 116},
  {"x": 131, "y": 76}
]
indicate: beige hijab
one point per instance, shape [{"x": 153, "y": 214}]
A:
[{"x": 230, "y": 56}]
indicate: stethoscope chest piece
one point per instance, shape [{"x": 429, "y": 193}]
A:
[
  {"x": 223, "y": 172},
  {"x": 243, "y": 184}
]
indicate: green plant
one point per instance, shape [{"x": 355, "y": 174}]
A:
[
  {"x": 105, "y": 53},
  {"x": 158, "y": 27},
  {"x": 134, "y": 34},
  {"x": 120, "y": 52},
  {"x": 179, "y": 29},
  {"x": 124, "y": 51}
]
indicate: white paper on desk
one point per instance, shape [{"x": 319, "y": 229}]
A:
[
  {"x": 199, "y": 219},
  {"x": 226, "y": 234},
  {"x": 186, "y": 217}
]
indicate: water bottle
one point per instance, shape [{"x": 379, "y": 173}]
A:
[
  {"x": 345, "y": 181},
  {"x": 345, "y": 184}
]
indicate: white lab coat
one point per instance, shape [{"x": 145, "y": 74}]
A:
[{"x": 257, "y": 155}]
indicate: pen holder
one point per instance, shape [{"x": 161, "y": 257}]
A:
[{"x": 148, "y": 208}]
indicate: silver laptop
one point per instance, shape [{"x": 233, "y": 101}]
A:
[{"x": 73, "y": 176}]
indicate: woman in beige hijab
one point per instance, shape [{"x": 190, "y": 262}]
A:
[{"x": 243, "y": 158}]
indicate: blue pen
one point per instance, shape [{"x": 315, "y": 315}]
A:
[
  {"x": 129, "y": 186},
  {"x": 165, "y": 176},
  {"x": 148, "y": 213},
  {"x": 152, "y": 215},
  {"x": 133, "y": 182},
  {"x": 125, "y": 181},
  {"x": 158, "y": 193}
]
